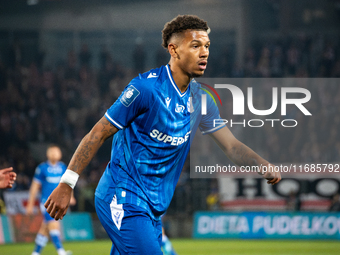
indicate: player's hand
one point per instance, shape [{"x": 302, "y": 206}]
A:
[
  {"x": 73, "y": 201},
  {"x": 29, "y": 210},
  {"x": 7, "y": 178},
  {"x": 272, "y": 176},
  {"x": 59, "y": 201}
]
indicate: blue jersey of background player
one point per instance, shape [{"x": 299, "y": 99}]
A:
[
  {"x": 47, "y": 176},
  {"x": 138, "y": 183}
]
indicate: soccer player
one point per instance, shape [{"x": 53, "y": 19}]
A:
[
  {"x": 152, "y": 122},
  {"x": 47, "y": 176},
  {"x": 167, "y": 245},
  {"x": 7, "y": 178}
]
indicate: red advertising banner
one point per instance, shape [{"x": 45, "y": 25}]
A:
[{"x": 26, "y": 227}]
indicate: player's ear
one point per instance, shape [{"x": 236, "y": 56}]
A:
[{"x": 172, "y": 50}]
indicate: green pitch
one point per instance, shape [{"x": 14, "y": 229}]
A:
[{"x": 196, "y": 247}]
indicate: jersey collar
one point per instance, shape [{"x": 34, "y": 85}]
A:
[
  {"x": 174, "y": 84},
  {"x": 50, "y": 163}
]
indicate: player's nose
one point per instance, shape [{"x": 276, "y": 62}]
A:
[{"x": 204, "y": 53}]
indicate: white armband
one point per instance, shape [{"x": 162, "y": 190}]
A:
[{"x": 70, "y": 178}]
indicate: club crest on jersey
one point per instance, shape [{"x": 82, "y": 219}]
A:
[
  {"x": 129, "y": 96},
  {"x": 190, "y": 106},
  {"x": 179, "y": 108}
]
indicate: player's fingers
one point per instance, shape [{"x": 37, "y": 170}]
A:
[
  {"x": 47, "y": 202},
  {"x": 59, "y": 214},
  {"x": 6, "y": 170},
  {"x": 13, "y": 176},
  {"x": 63, "y": 214},
  {"x": 53, "y": 211},
  {"x": 277, "y": 180},
  {"x": 271, "y": 181},
  {"x": 50, "y": 208},
  {"x": 270, "y": 178},
  {"x": 277, "y": 177}
]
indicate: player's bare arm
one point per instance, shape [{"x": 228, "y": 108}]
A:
[
  {"x": 241, "y": 154},
  {"x": 34, "y": 189},
  {"x": 59, "y": 200},
  {"x": 90, "y": 144}
]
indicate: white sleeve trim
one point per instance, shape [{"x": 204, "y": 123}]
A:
[
  {"x": 36, "y": 180},
  {"x": 114, "y": 122},
  {"x": 213, "y": 129}
]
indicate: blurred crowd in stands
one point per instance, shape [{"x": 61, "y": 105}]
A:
[
  {"x": 296, "y": 56},
  {"x": 60, "y": 104}
]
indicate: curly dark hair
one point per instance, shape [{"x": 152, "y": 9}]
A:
[{"x": 180, "y": 24}]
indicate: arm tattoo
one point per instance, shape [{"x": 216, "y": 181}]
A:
[
  {"x": 107, "y": 128},
  {"x": 84, "y": 153},
  {"x": 90, "y": 144},
  {"x": 244, "y": 156}
]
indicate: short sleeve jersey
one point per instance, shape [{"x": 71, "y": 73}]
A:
[
  {"x": 48, "y": 176},
  {"x": 155, "y": 123}
]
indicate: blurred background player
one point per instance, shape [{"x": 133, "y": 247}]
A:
[
  {"x": 7, "y": 178},
  {"x": 335, "y": 203},
  {"x": 167, "y": 247},
  {"x": 47, "y": 176}
]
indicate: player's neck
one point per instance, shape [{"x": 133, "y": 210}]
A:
[
  {"x": 53, "y": 163},
  {"x": 181, "y": 79}
]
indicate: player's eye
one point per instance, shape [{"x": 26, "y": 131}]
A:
[{"x": 195, "y": 46}]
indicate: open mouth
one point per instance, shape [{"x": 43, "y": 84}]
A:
[{"x": 202, "y": 65}]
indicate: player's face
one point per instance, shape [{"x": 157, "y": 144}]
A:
[
  {"x": 54, "y": 154},
  {"x": 193, "y": 52}
]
